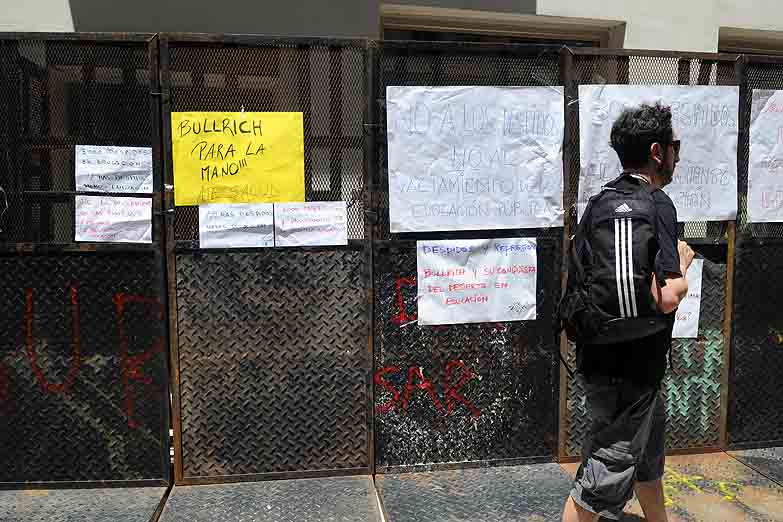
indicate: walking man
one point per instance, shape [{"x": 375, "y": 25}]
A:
[{"x": 627, "y": 271}]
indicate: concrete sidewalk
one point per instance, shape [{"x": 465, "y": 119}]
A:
[{"x": 716, "y": 487}]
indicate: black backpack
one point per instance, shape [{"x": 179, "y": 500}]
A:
[{"x": 611, "y": 260}]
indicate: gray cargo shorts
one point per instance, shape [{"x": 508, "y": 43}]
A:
[{"x": 625, "y": 444}]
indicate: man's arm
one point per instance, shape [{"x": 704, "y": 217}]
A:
[{"x": 668, "y": 297}]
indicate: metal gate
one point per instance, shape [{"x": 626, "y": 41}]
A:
[
  {"x": 270, "y": 346},
  {"x": 695, "y": 391},
  {"x": 757, "y": 359},
  {"x": 83, "y": 373},
  {"x": 512, "y": 366}
]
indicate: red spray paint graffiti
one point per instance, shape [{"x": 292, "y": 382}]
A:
[
  {"x": 132, "y": 366},
  {"x": 416, "y": 380},
  {"x": 32, "y": 355},
  {"x": 403, "y": 317}
]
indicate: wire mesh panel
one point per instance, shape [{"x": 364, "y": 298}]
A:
[
  {"x": 272, "y": 344},
  {"x": 82, "y": 369},
  {"x": 633, "y": 69},
  {"x": 83, "y": 373},
  {"x": 452, "y": 64},
  {"x": 754, "y": 398},
  {"x": 322, "y": 79},
  {"x": 694, "y": 389},
  {"x": 472, "y": 392},
  {"x": 57, "y": 94}
]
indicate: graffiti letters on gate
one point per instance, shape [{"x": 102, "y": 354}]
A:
[{"x": 131, "y": 364}]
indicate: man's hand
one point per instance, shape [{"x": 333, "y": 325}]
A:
[{"x": 686, "y": 256}]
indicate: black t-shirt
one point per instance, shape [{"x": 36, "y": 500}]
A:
[{"x": 643, "y": 360}]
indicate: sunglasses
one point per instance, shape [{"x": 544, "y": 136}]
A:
[{"x": 676, "y": 146}]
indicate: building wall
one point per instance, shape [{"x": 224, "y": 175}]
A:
[
  {"x": 690, "y": 25},
  {"x": 52, "y": 16},
  {"x": 340, "y": 18}
]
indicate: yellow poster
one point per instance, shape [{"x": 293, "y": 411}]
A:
[{"x": 237, "y": 157}]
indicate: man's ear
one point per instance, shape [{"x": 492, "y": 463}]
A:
[{"x": 656, "y": 154}]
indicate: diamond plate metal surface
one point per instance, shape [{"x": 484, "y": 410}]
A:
[
  {"x": 504, "y": 376},
  {"x": 83, "y": 378},
  {"x": 534, "y": 493},
  {"x": 433, "y": 63},
  {"x": 693, "y": 389},
  {"x": 273, "y": 361},
  {"x": 344, "y": 499},
  {"x": 755, "y": 401},
  {"x": 323, "y": 80},
  {"x": 57, "y": 94},
  {"x": 79, "y": 505}
]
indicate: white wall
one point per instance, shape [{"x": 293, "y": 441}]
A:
[
  {"x": 683, "y": 25},
  {"x": 751, "y": 14},
  {"x": 52, "y": 16}
]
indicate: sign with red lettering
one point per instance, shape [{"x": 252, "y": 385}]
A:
[
  {"x": 476, "y": 280},
  {"x": 113, "y": 219},
  {"x": 765, "y": 169},
  {"x": 314, "y": 223}
]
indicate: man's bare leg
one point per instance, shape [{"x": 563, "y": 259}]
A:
[
  {"x": 650, "y": 495},
  {"x": 573, "y": 512}
]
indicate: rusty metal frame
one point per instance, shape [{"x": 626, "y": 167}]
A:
[
  {"x": 171, "y": 267},
  {"x": 370, "y": 136},
  {"x": 93, "y": 248},
  {"x": 569, "y": 93}
]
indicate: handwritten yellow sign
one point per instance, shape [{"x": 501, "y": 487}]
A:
[{"x": 237, "y": 157}]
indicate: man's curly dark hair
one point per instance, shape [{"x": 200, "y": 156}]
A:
[{"x": 636, "y": 129}]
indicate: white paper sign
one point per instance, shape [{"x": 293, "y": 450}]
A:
[
  {"x": 472, "y": 158},
  {"x": 236, "y": 225},
  {"x": 704, "y": 187},
  {"x": 686, "y": 324},
  {"x": 765, "y": 172},
  {"x": 113, "y": 169},
  {"x": 476, "y": 280},
  {"x": 316, "y": 223},
  {"x": 113, "y": 219}
]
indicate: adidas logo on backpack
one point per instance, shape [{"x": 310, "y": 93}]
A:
[{"x": 610, "y": 266}]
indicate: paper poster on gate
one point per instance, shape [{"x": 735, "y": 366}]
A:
[
  {"x": 102, "y": 168},
  {"x": 476, "y": 280},
  {"x": 236, "y": 225},
  {"x": 686, "y": 324},
  {"x": 315, "y": 223},
  {"x": 704, "y": 187},
  {"x": 765, "y": 169},
  {"x": 472, "y": 158},
  {"x": 237, "y": 157},
  {"x": 113, "y": 219}
]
